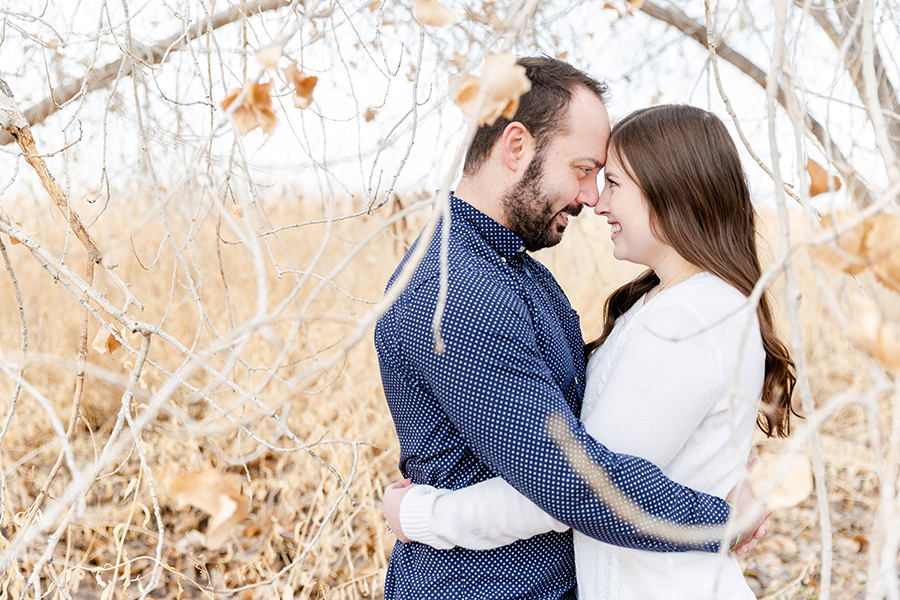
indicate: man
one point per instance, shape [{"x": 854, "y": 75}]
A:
[{"x": 514, "y": 356}]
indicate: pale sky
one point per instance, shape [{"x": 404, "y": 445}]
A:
[{"x": 330, "y": 149}]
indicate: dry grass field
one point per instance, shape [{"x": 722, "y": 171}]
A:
[{"x": 315, "y": 448}]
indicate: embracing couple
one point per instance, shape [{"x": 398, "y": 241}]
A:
[{"x": 663, "y": 402}]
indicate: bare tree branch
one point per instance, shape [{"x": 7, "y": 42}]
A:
[
  {"x": 696, "y": 31},
  {"x": 14, "y": 124},
  {"x": 853, "y": 57},
  {"x": 155, "y": 54}
]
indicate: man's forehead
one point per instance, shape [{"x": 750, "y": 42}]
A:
[
  {"x": 584, "y": 133},
  {"x": 586, "y": 145}
]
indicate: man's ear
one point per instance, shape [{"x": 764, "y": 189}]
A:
[{"x": 517, "y": 146}]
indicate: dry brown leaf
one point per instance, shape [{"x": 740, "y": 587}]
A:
[
  {"x": 256, "y": 109},
  {"x": 303, "y": 85},
  {"x": 458, "y": 61},
  {"x": 375, "y": 5},
  {"x": 216, "y": 494},
  {"x": 369, "y": 115},
  {"x": 268, "y": 56},
  {"x": 635, "y": 4},
  {"x": 882, "y": 250},
  {"x": 505, "y": 82},
  {"x": 432, "y": 12},
  {"x": 872, "y": 335},
  {"x": 850, "y": 256},
  {"x": 237, "y": 210},
  {"x": 488, "y": 17},
  {"x": 792, "y": 489},
  {"x": 819, "y": 178},
  {"x": 871, "y": 244},
  {"x": 863, "y": 542},
  {"x": 464, "y": 92},
  {"x": 609, "y": 6},
  {"x": 105, "y": 342}
]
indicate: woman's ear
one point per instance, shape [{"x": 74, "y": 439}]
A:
[{"x": 517, "y": 146}]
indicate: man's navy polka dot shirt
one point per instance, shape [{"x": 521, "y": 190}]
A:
[{"x": 513, "y": 356}]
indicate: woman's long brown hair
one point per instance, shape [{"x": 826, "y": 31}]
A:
[{"x": 686, "y": 164}]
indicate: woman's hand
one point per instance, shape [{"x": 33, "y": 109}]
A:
[{"x": 393, "y": 498}]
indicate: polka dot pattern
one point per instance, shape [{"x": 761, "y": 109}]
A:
[{"x": 513, "y": 356}]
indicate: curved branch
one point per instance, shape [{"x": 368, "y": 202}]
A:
[
  {"x": 15, "y": 125},
  {"x": 694, "y": 30},
  {"x": 155, "y": 54},
  {"x": 853, "y": 58}
]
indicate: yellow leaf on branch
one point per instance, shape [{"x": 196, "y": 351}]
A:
[
  {"x": 214, "y": 493},
  {"x": 872, "y": 244},
  {"x": 848, "y": 255},
  {"x": 458, "y": 61},
  {"x": 432, "y": 12},
  {"x": 268, "y": 56},
  {"x": 255, "y": 110},
  {"x": 818, "y": 179},
  {"x": 882, "y": 250},
  {"x": 105, "y": 342},
  {"x": 303, "y": 85},
  {"x": 502, "y": 84},
  {"x": 874, "y": 336}
]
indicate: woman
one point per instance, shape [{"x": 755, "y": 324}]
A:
[{"x": 679, "y": 371}]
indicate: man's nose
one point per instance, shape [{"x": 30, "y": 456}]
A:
[{"x": 590, "y": 195}]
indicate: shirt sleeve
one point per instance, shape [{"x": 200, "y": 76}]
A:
[{"x": 496, "y": 388}]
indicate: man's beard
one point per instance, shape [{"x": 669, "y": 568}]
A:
[{"x": 529, "y": 212}]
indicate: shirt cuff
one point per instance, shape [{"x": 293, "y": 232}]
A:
[{"x": 417, "y": 515}]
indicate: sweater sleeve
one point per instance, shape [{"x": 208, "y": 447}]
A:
[{"x": 487, "y": 515}]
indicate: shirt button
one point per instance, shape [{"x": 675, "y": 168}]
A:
[
  {"x": 521, "y": 249},
  {"x": 576, "y": 380},
  {"x": 503, "y": 258}
]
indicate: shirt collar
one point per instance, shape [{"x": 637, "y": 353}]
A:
[{"x": 506, "y": 243}]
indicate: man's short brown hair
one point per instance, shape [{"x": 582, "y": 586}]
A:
[{"x": 542, "y": 110}]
